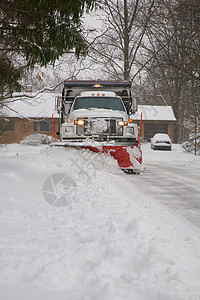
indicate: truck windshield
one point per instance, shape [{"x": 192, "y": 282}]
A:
[{"x": 113, "y": 103}]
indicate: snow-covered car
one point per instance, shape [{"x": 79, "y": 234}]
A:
[{"x": 161, "y": 141}]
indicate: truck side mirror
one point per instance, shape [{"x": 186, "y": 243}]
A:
[
  {"x": 59, "y": 104},
  {"x": 134, "y": 105}
]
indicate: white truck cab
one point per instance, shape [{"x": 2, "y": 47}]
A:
[{"x": 97, "y": 112}]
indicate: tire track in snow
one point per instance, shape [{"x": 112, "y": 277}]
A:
[{"x": 174, "y": 186}]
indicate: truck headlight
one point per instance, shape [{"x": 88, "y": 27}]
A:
[
  {"x": 79, "y": 122},
  {"x": 122, "y": 123}
]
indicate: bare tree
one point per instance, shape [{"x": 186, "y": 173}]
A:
[
  {"x": 174, "y": 71},
  {"x": 126, "y": 23}
]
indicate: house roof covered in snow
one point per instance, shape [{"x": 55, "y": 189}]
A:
[
  {"x": 40, "y": 106},
  {"x": 154, "y": 113},
  {"x": 43, "y": 105}
]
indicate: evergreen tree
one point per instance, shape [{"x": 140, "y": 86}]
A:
[{"x": 37, "y": 32}]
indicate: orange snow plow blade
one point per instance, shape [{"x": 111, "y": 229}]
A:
[{"x": 129, "y": 158}]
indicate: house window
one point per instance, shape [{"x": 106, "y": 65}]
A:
[
  {"x": 11, "y": 125},
  {"x": 43, "y": 126}
]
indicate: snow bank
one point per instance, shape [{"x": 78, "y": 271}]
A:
[
  {"x": 36, "y": 139},
  {"x": 110, "y": 241},
  {"x": 190, "y": 145}
]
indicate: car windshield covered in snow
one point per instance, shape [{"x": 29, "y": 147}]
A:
[
  {"x": 161, "y": 138},
  {"x": 113, "y": 103}
]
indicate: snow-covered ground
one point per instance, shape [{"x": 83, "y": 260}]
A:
[
  {"x": 74, "y": 227},
  {"x": 174, "y": 178}
]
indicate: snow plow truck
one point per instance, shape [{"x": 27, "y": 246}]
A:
[{"x": 96, "y": 115}]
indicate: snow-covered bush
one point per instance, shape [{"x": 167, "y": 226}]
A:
[
  {"x": 189, "y": 145},
  {"x": 36, "y": 139}
]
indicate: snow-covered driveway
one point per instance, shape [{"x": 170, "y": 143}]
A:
[{"x": 116, "y": 236}]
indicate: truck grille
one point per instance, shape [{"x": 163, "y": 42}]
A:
[{"x": 100, "y": 126}]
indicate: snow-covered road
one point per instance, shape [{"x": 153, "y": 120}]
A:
[
  {"x": 176, "y": 186},
  {"x": 116, "y": 236},
  {"x": 174, "y": 180}
]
